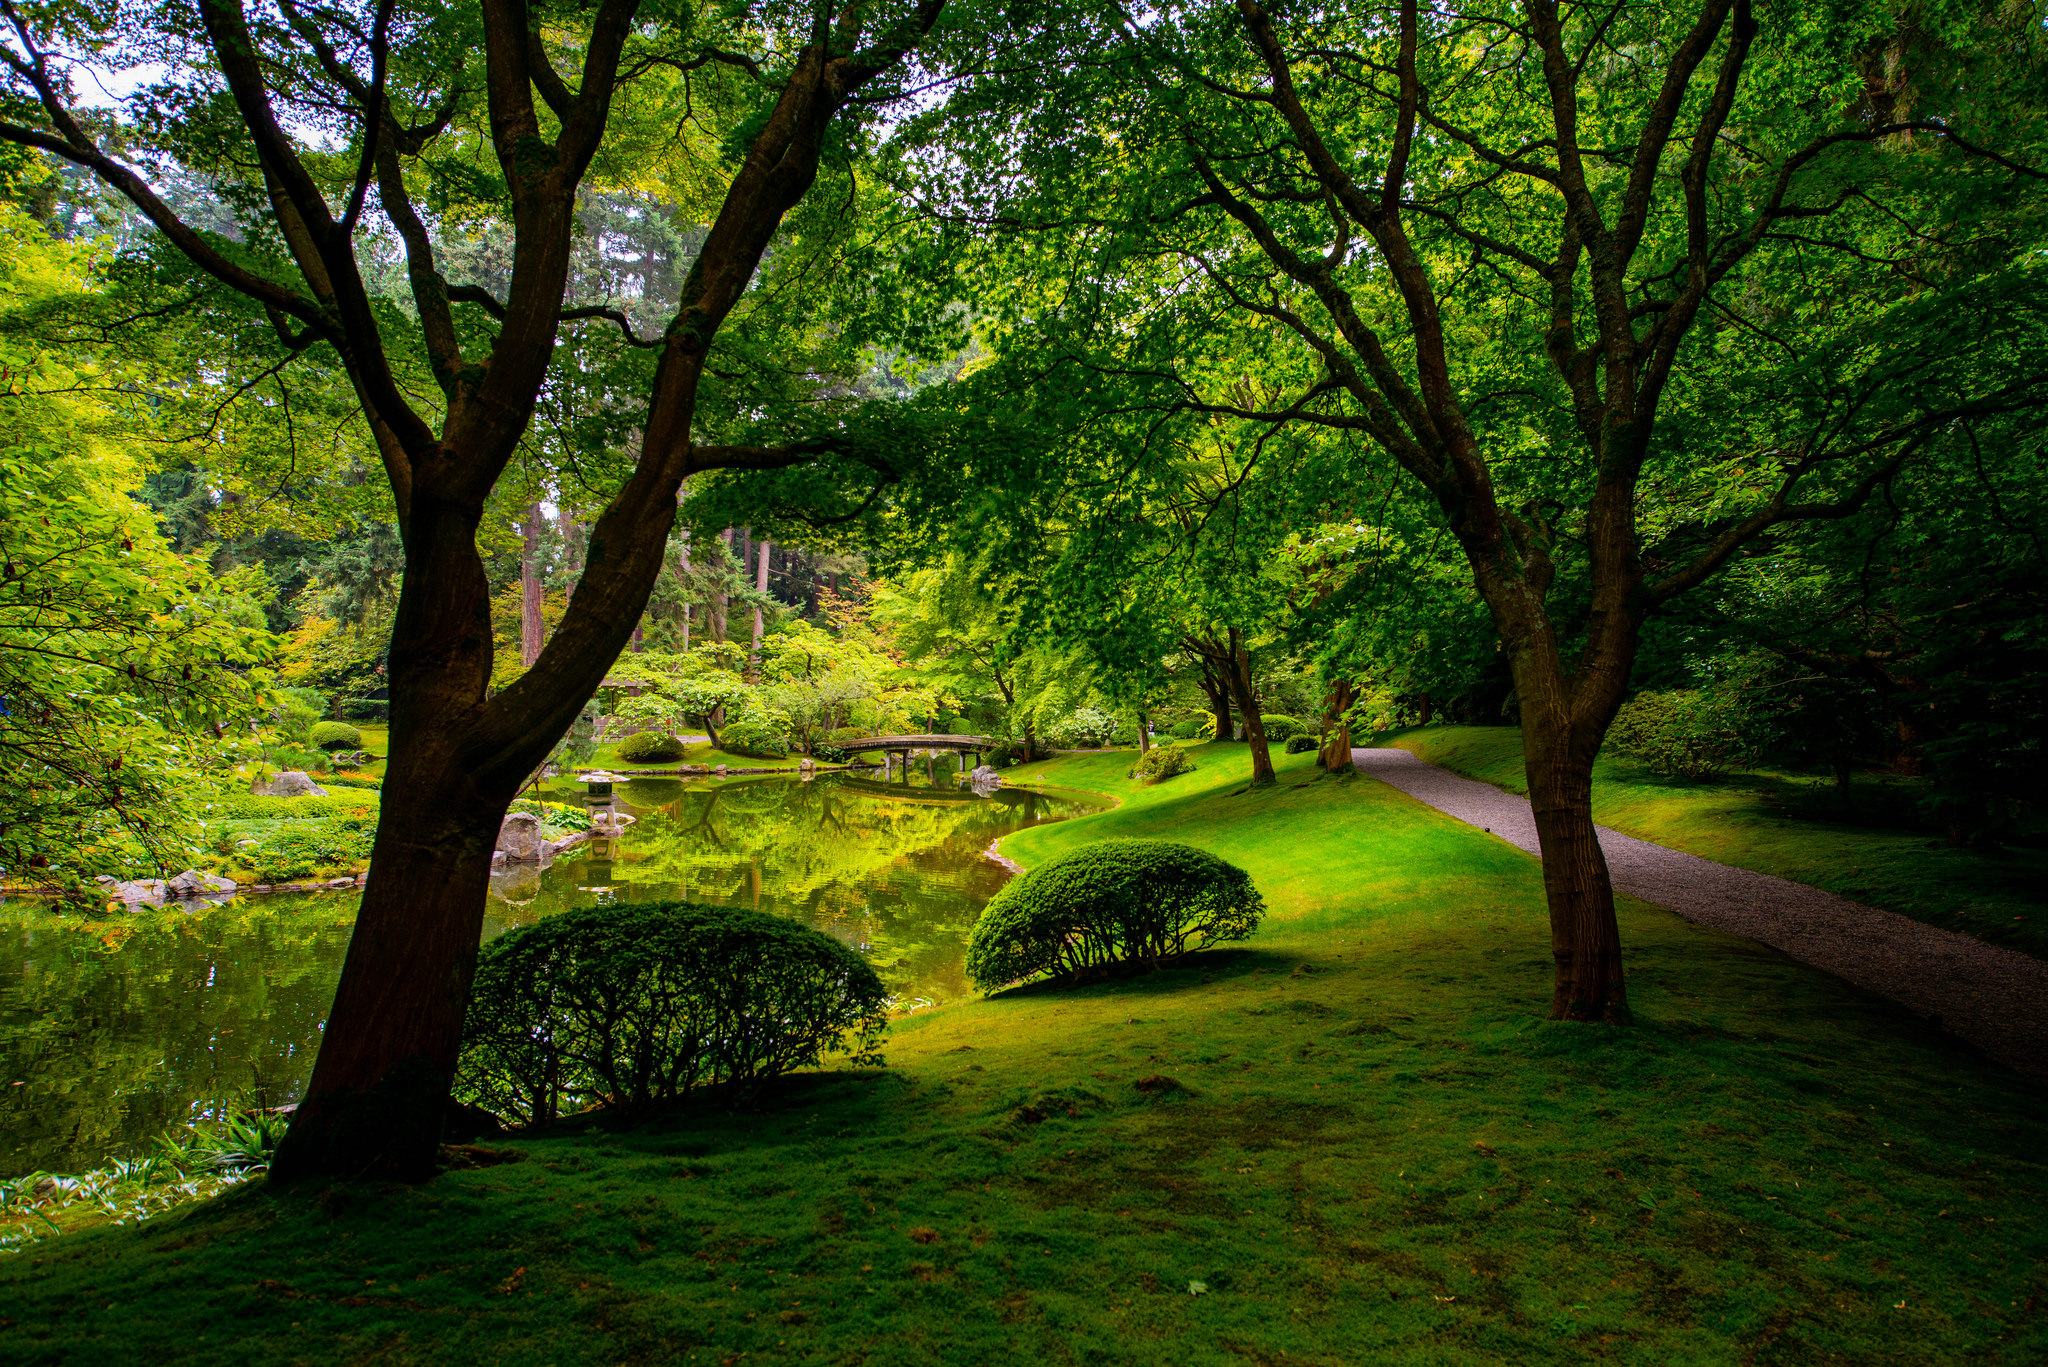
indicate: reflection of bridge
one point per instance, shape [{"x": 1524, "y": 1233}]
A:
[{"x": 901, "y": 746}]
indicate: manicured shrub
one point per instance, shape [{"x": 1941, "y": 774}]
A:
[
  {"x": 650, "y": 747},
  {"x": 1187, "y": 729},
  {"x": 1304, "y": 742},
  {"x": 846, "y": 733},
  {"x": 1686, "y": 733},
  {"x": 627, "y": 1006},
  {"x": 365, "y": 709},
  {"x": 336, "y": 735},
  {"x": 1161, "y": 762},
  {"x": 1113, "y": 902},
  {"x": 1280, "y": 728}
]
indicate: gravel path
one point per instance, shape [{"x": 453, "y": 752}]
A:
[{"x": 1995, "y": 998}]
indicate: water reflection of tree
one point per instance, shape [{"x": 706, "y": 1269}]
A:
[
  {"x": 117, "y": 1033},
  {"x": 899, "y": 874}
]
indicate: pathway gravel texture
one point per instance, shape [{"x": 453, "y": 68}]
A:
[{"x": 1995, "y": 998}]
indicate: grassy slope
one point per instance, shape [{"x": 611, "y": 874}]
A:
[
  {"x": 1772, "y": 823},
  {"x": 1384, "y": 1155}
]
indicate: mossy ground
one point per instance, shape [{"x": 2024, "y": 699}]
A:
[
  {"x": 1374, "y": 1149},
  {"x": 1792, "y": 825}
]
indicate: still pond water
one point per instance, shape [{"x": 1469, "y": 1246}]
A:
[{"x": 115, "y": 1030}]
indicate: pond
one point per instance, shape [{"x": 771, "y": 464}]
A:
[{"x": 114, "y": 1030}]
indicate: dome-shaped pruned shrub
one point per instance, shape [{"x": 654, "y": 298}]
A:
[
  {"x": 336, "y": 735},
  {"x": 1113, "y": 902},
  {"x": 650, "y": 747},
  {"x": 631, "y": 1005}
]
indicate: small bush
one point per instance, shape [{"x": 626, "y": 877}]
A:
[
  {"x": 1188, "y": 729},
  {"x": 1160, "y": 763},
  {"x": 627, "y": 1006},
  {"x": 1280, "y": 729},
  {"x": 1113, "y": 902},
  {"x": 336, "y": 735},
  {"x": 650, "y": 747},
  {"x": 758, "y": 737},
  {"x": 1304, "y": 742},
  {"x": 847, "y": 733},
  {"x": 1687, "y": 733},
  {"x": 827, "y": 753}
]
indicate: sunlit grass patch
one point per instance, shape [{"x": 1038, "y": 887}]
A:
[{"x": 1788, "y": 825}]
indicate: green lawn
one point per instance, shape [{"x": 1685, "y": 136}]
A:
[
  {"x": 1373, "y": 1149},
  {"x": 1789, "y": 825}
]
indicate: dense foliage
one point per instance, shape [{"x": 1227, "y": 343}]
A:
[
  {"x": 626, "y": 1006},
  {"x": 1114, "y": 902}
]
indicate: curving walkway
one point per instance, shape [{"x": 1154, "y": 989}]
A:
[{"x": 1995, "y": 998}]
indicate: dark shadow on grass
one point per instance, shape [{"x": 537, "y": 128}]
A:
[{"x": 1147, "y": 980}]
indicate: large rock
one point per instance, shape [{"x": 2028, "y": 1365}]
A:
[
  {"x": 985, "y": 778},
  {"x": 519, "y": 838},
  {"x": 290, "y": 783},
  {"x": 192, "y": 884},
  {"x": 142, "y": 891}
]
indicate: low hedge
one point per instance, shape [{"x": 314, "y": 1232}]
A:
[
  {"x": 335, "y": 735},
  {"x": 627, "y": 1006},
  {"x": 1160, "y": 763},
  {"x": 650, "y": 747},
  {"x": 1113, "y": 902},
  {"x": 1186, "y": 730},
  {"x": 1280, "y": 728},
  {"x": 1303, "y": 742},
  {"x": 251, "y": 807}
]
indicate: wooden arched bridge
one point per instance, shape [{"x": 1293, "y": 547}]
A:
[{"x": 901, "y": 746}]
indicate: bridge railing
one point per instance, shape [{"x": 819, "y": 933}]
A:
[{"x": 917, "y": 743}]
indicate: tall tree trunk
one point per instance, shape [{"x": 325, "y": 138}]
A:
[
  {"x": 1335, "y": 752},
  {"x": 1239, "y": 676},
  {"x": 531, "y": 624},
  {"x": 718, "y": 596},
  {"x": 689, "y": 608},
  {"x": 760, "y": 586},
  {"x": 1218, "y": 694},
  {"x": 1558, "y": 751},
  {"x": 1144, "y": 738}
]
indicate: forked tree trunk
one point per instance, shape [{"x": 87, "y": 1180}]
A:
[{"x": 378, "y": 1095}]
